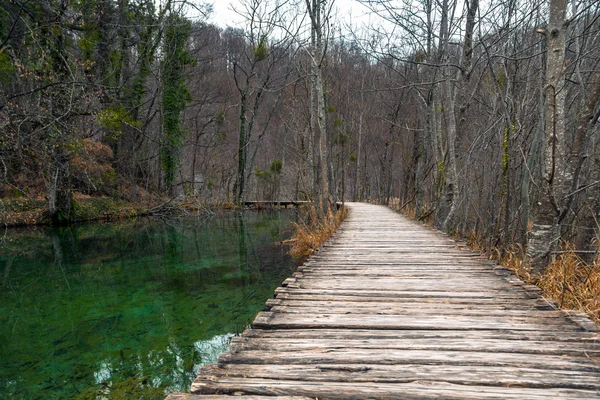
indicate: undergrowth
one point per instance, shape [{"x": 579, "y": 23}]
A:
[
  {"x": 569, "y": 280},
  {"x": 572, "y": 282},
  {"x": 313, "y": 231}
]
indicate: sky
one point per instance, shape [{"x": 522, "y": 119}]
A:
[{"x": 223, "y": 16}]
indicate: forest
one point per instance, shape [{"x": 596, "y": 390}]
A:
[{"x": 480, "y": 118}]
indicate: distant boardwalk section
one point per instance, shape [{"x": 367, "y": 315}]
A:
[
  {"x": 389, "y": 309},
  {"x": 283, "y": 203}
]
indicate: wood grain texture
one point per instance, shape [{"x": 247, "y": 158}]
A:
[
  {"x": 188, "y": 396},
  {"x": 389, "y": 309}
]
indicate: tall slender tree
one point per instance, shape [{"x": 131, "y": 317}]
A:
[
  {"x": 545, "y": 232},
  {"x": 319, "y": 14}
]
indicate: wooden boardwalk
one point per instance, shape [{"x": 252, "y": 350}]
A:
[
  {"x": 389, "y": 309},
  {"x": 283, "y": 203}
]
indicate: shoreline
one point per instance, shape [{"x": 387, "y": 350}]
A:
[{"x": 27, "y": 212}]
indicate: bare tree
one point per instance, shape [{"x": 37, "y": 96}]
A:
[
  {"x": 319, "y": 15},
  {"x": 259, "y": 70},
  {"x": 546, "y": 227}
]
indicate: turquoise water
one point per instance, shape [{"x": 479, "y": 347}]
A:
[{"x": 131, "y": 310}]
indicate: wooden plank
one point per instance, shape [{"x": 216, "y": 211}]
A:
[
  {"x": 581, "y": 319},
  {"x": 189, "y": 396},
  {"x": 580, "y": 349},
  {"x": 428, "y": 307},
  {"x": 406, "y": 298},
  {"x": 416, "y": 270},
  {"x": 442, "y": 262},
  {"x": 447, "y": 293},
  {"x": 273, "y": 320},
  {"x": 343, "y": 334},
  {"x": 392, "y": 391},
  {"x": 413, "y": 357},
  {"x": 400, "y": 310},
  {"x": 374, "y": 373},
  {"x": 359, "y": 283}
]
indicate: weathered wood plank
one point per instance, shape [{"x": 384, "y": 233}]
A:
[
  {"x": 359, "y": 283},
  {"x": 427, "y": 307},
  {"x": 581, "y": 319},
  {"x": 273, "y": 320},
  {"x": 581, "y": 349},
  {"x": 374, "y": 373},
  {"x": 343, "y": 334},
  {"x": 360, "y": 390},
  {"x": 189, "y": 396},
  {"x": 406, "y": 298},
  {"x": 399, "y": 310},
  {"x": 447, "y": 293},
  {"x": 410, "y": 357}
]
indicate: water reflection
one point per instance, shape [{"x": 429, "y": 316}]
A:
[{"x": 135, "y": 307}]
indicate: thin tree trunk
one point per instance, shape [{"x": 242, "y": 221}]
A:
[
  {"x": 357, "y": 178},
  {"x": 318, "y": 106},
  {"x": 240, "y": 181}
]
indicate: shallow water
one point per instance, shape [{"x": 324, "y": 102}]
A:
[{"x": 131, "y": 310}]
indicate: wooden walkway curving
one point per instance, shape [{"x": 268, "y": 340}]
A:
[{"x": 389, "y": 309}]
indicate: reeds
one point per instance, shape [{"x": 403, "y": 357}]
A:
[{"x": 311, "y": 233}]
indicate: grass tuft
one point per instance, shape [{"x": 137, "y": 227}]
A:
[
  {"x": 569, "y": 280},
  {"x": 311, "y": 233},
  {"x": 574, "y": 283}
]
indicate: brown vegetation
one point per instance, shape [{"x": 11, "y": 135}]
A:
[
  {"x": 571, "y": 281},
  {"x": 314, "y": 231}
]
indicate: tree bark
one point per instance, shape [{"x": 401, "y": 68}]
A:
[
  {"x": 453, "y": 194},
  {"x": 239, "y": 185},
  {"x": 318, "y": 106},
  {"x": 60, "y": 197},
  {"x": 545, "y": 232}
]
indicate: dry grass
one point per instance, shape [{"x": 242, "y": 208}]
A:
[
  {"x": 409, "y": 210},
  {"x": 514, "y": 259},
  {"x": 569, "y": 280},
  {"x": 573, "y": 283},
  {"x": 312, "y": 233},
  {"x": 475, "y": 242}
]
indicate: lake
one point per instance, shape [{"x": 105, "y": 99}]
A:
[{"x": 132, "y": 309}]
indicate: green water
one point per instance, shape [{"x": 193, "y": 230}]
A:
[{"x": 131, "y": 310}]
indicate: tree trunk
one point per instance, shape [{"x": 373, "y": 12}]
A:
[
  {"x": 453, "y": 194},
  {"x": 318, "y": 106},
  {"x": 60, "y": 197},
  {"x": 322, "y": 149},
  {"x": 357, "y": 178},
  {"x": 240, "y": 179},
  {"x": 545, "y": 231}
]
